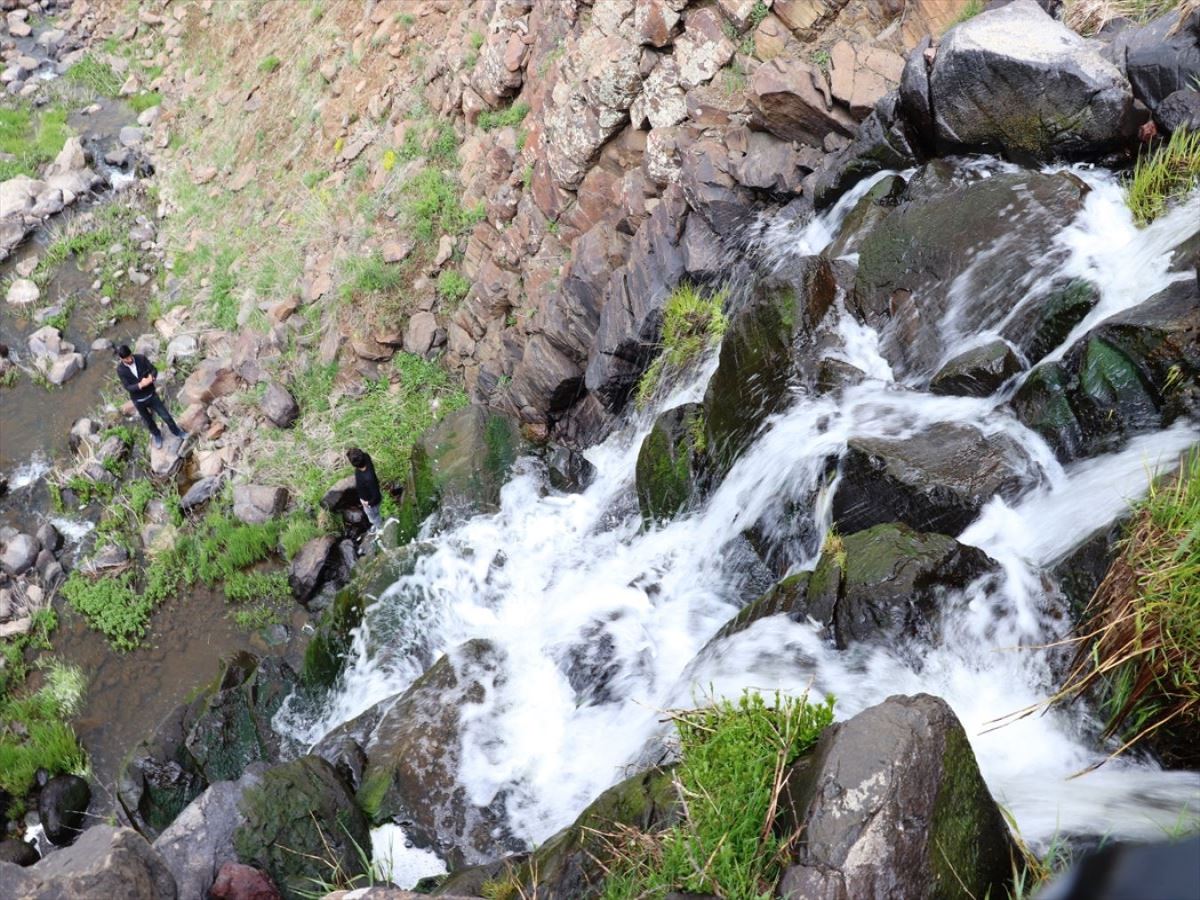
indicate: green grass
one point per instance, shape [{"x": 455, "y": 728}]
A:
[
  {"x": 144, "y": 101},
  {"x": 489, "y": 120},
  {"x": 111, "y": 606},
  {"x": 692, "y": 323},
  {"x": 365, "y": 275},
  {"x": 109, "y": 227},
  {"x": 1164, "y": 175},
  {"x": 452, "y": 285},
  {"x": 433, "y": 206},
  {"x": 223, "y": 305},
  {"x": 733, "y": 758},
  {"x": 32, "y": 137},
  {"x": 970, "y": 10},
  {"x": 296, "y": 533},
  {"x": 1140, "y": 643},
  {"x": 96, "y": 75},
  {"x": 44, "y": 739},
  {"x": 270, "y": 64}
]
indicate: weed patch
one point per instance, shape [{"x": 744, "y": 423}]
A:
[
  {"x": 489, "y": 120},
  {"x": 96, "y": 75},
  {"x": 691, "y": 324},
  {"x": 453, "y": 286},
  {"x": 1163, "y": 176},
  {"x": 30, "y": 137}
]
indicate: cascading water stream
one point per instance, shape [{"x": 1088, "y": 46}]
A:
[{"x": 550, "y": 577}]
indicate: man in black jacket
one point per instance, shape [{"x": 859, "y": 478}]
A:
[
  {"x": 137, "y": 376},
  {"x": 367, "y": 485}
]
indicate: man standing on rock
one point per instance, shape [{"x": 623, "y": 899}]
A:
[
  {"x": 367, "y": 485},
  {"x": 137, "y": 376}
]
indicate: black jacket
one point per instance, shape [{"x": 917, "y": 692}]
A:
[
  {"x": 130, "y": 381},
  {"x": 368, "y": 485}
]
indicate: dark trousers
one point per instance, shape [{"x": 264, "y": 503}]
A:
[{"x": 155, "y": 405}]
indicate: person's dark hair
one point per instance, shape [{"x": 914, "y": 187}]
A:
[
  {"x": 124, "y": 352},
  {"x": 357, "y": 458}
]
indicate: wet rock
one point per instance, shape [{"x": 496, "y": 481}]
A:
[
  {"x": 905, "y": 760},
  {"x": 17, "y": 852},
  {"x": 159, "y": 778},
  {"x": 937, "y": 480},
  {"x": 1013, "y": 79},
  {"x": 279, "y": 406},
  {"x": 22, "y": 292},
  {"x": 978, "y": 372},
  {"x": 569, "y": 470},
  {"x": 200, "y": 841},
  {"x": 255, "y": 504},
  {"x": 18, "y": 553},
  {"x": 1135, "y": 372},
  {"x": 1161, "y": 58},
  {"x": 312, "y": 566},
  {"x": 757, "y": 358},
  {"x": 933, "y": 239},
  {"x": 325, "y": 654},
  {"x": 792, "y": 101},
  {"x": 130, "y": 136},
  {"x": 414, "y": 755},
  {"x": 301, "y": 804},
  {"x": 239, "y": 882},
  {"x": 49, "y": 537},
  {"x": 62, "y": 808},
  {"x": 1039, "y": 331},
  {"x": 883, "y": 142},
  {"x": 201, "y": 492},
  {"x": 458, "y": 467},
  {"x": 881, "y": 199},
  {"x": 105, "y": 862},
  {"x": 231, "y": 727},
  {"x": 671, "y": 463}
]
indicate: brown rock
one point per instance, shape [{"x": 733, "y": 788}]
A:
[
  {"x": 194, "y": 418},
  {"x": 771, "y": 38},
  {"x": 703, "y": 49},
  {"x": 418, "y": 337},
  {"x": 655, "y": 21},
  {"x": 236, "y": 881},
  {"x": 212, "y": 379},
  {"x": 791, "y": 101}
]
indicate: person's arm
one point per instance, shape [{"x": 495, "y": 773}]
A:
[{"x": 151, "y": 372}]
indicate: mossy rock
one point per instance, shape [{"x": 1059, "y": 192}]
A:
[
  {"x": 572, "y": 862},
  {"x": 299, "y": 824},
  {"x": 672, "y": 463},
  {"x": 458, "y": 467},
  {"x": 762, "y": 351},
  {"x": 233, "y": 729},
  {"x": 324, "y": 657},
  {"x": 158, "y": 777},
  {"x": 870, "y": 209},
  {"x": 1050, "y": 321}
]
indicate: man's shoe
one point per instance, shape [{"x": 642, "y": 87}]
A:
[
  {"x": 183, "y": 436},
  {"x": 157, "y": 441}
]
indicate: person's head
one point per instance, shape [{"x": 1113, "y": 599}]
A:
[
  {"x": 125, "y": 353},
  {"x": 357, "y": 458}
]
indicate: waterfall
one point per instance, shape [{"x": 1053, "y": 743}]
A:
[{"x": 553, "y": 577}]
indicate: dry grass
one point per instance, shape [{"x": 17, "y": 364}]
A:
[{"x": 1089, "y": 16}]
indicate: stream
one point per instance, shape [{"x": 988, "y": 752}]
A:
[{"x": 551, "y": 577}]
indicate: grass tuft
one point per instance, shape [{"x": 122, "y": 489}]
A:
[
  {"x": 1165, "y": 175},
  {"x": 35, "y": 733},
  {"x": 30, "y": 138},
  {"x": 729, "y": 780},
  {"x": 691, "y": 324},
  {"x": 489, "y": 120},
  {"x": 96, "y": 75},
  {"x": 1140, "y": 644}
]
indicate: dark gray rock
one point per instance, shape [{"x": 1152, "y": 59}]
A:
[
  {"x": 1016, "y": 81},
  {"x": 414, "y": 754},
  {"x": 568, "y": 470},
  {"x": 200, "y": 492},
  {"x": 937, "y": 480},
  {"x": 62, "y": 808},
  {"x": 1180, "y": 110},
  {"x": 882, "y": 142},
  {"x": 18, "y": 852},
  {"x": 279, "y": 406},
  {"x": 200, "y": 841},
  {"x": 255, "y": 504},
  {"x": 891, "y": 804},
  {"x": 342, "y": 496},
  {"x": 49, "y": 537},
  {"x": 106, "y": 862},
  {"x": 18, "y": 554},
  {"x": 311, "y": 567},
  {"x": 672, "y": 464},
  {"x": 1160, "y": 59},
  {"x": 978, "y": 372}
]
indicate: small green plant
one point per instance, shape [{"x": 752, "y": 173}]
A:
[
  {"x": 476, "y": 40},
  {"x": 822, "y": 60},
  {"x": 45, "y": 739},
  {"x": 298, "y": 532},
  {"x": 9, "y": 378},
  {"x": 144, "y": 101},
  {"x": 406, "y": 19},
  {"x": 270, "y": 64},
  {"x": 691, "y": 324},
  {"x": 733, "y": 760},
  {"x": 364, "y": 275},
  {"x": 452, "y": 285},
  {"x": 95, "y": 74},
  {"x": 433, "y": 206},
  {"x": 1164, "y": 175},
  {"x": 758, "y": 12},
  {"x": 111, "y": 606},
  {"x": 489, "y": 119},
  {"x": 30, "y": 138},
  {"x": 970, "y": 10}
]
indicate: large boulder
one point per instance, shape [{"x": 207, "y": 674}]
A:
[
  {"x": 947, "y": 262},
  {"x": 1015, "y": 81},
  {"x": 891, "y": 804},
  {"x": 312, "y": 566},
  {"x": 18, "y": 554},
  {"x": 792, "y": 100},
  {"x": 937, "y": 480},
  {"x": 978, "y": 372},
  {"x": 458, "y": 467},
  {"x": 211, "y": 380},
  {"x": 671, "y": 463},
  {"x": 256, "y": 504},
  {"x": 884, "y": 141},
  {"x": 300, "y": 823},
  {"x": 1162, "y": 57},
  {"x": 414, "y": 754},
  {"x": 62, "y": 807},
  {"x": 200, "y": 841},
  {"x": 761, "y": 354},
  {"x": 105, "y": 862},
  {"x": 159, "y": 778},
  {"x": 883, "y": 585},
  {"x": 1134, "y": 372}
]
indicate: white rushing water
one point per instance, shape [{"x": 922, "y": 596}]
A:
[{"x": 552, "y": 575}]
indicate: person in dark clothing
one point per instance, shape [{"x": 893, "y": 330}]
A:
[
  {"x": 137, "y": 376},
  {"x": 367, "y": 484}
]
